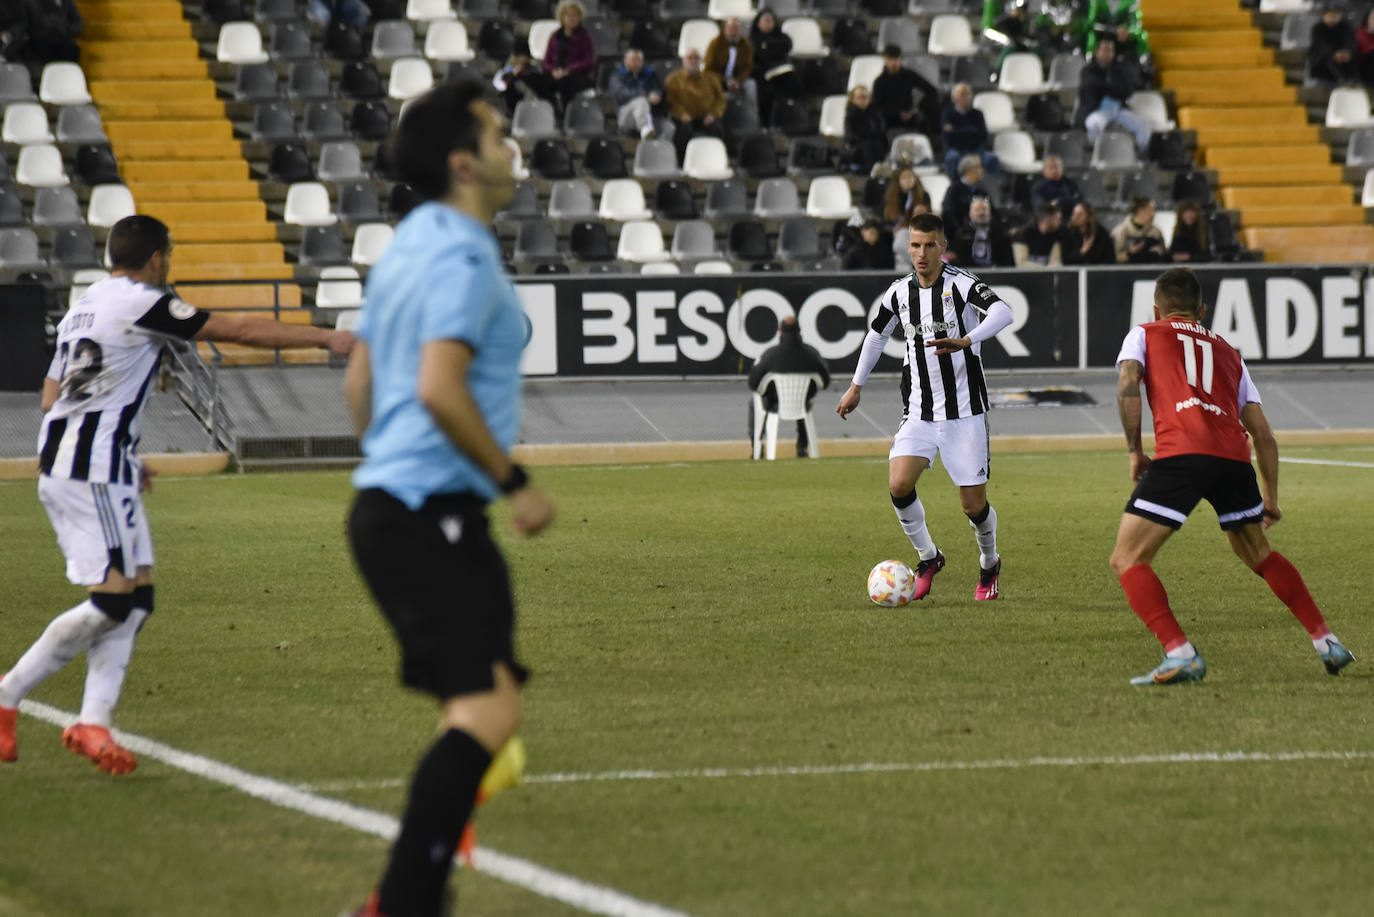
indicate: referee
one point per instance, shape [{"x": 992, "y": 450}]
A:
[{"x": 433, "y": 386}]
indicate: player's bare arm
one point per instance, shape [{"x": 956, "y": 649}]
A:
[
  {"x": 1128, "y": 405},
  {"x": 52, "y": 390},
  {"x": 949, "y": 345},
  {"x": 443, "y": 390},
  {"x": 264, "y": 332},
  {"x": 358, "y": 388},
  {"x": 848, "y": 401},
  {"x": 1266, "y": 457}
]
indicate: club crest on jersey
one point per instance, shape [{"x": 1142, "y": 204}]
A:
[
  {"x": 181, "y": 310},
  {"x": 947, "y": 297},
  {"x": 909, "y": 330}
]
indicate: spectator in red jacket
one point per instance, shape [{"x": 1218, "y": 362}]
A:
[
  {"x": 570, "y": 57},
  {"x": 1364, "y": 49}
]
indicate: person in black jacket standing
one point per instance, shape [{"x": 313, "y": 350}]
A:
[
  {"x": 789, "y": 355},
  {"x": 1331, "y": 48},
  {"x": 907, "y": 100}
]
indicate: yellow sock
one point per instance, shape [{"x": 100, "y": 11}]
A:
[{"x": 507, "y": 769}]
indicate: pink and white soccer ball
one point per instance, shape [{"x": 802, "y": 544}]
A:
[{"x": 891, "y": 584}]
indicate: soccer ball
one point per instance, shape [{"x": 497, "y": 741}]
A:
[{"x": 891, "y": 584}]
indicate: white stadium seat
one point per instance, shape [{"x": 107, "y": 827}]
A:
[
  {"x": 410, "y": 77},
  {"x": 863, "y": 70},
  {"x": 428, "y": 10},
  {"x": 448, "y": 41},
  {"x": 833, "y": 109},
  {"x": 40, "y": 166},
  {"x": 240, "y": 43},
  {"x": 641, "y": 241},
  {"x": 109, "y": 204},
  {"x": 706, "y": 159},
  {"x": 1022, "y": 73},
  {"x": 829, "y": 198},
  {"x": 1016, "y": 151},
  {"x": 622, "y": 200},
  {"x": 339, "y": 288},
  {"x": 997, "y": 110},
  {"x": 696, "y": 33},
  {"x": 307, "y": 204},
  {"x": 369, "y": 241},
  {"x": 951, "y": 36},
  {"x": 805, "y": 33},
  {"x": 1348, "y": 107},
  {"x": 540, "y": 32},
  {"x": 26, "y": 122}
]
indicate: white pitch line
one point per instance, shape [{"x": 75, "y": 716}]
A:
[
  {"x": 902, "y": 767},
  {"x": 595, "y": 899},
  {"x": 1308, "y": 461}
]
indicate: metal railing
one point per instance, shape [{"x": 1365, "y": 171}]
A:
[{"x": 197, "y": 385}]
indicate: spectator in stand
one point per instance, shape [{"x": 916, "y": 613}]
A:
[
  {"x": 1137, "y": 239},
  {"x": 14, "y": 31},
  {"x": 1043, "y": 238},
  {"x": 522, "y": 79},
  {"x": 638, "y": 93},
  {"x": 872, "y": 251},
  {"x": 1190, "y": 235},
  {"x": 1104, "y": 85},
  {"x": 1364, "y": 49},
  {"x": 980, "y": 242},
  {"x": 965, "y": 133},
  {"x": 326, "y": 12},
  {"x": 772, "y": 62},
  {"x": 1331, "y": 48},
  {"x": 696, "y": 102},
  {"x": 904, "y": 194},
  {"x": 962, "y": 192},
  {"x": 730, "y": 57},
  {"x": 789, "y": 355},
  {"x": 1087, "y": 242},
  {"x": 1054, "y": 187},
  {"x": 570, "y": 57},
  {"x": 865, "y": 133},
  {"x": 907, "y": 100},
  {"x": 53, "y": 27}
]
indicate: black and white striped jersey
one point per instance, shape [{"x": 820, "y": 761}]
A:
[
  {"x": 945, "y": 386},
  {"x": 108, "y": 349}
]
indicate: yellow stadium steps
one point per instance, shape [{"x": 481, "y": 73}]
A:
[
  {"x": 151, "y": 90},
  {"x": 285, "y": 316},
  {"x": 1309, "y": 215},
  {"x": 1312, "y": 154},
  {"x": 1320, "y": 254},
  {"x": 1287, "y": 196},
  {"x": 176, "y": 149},
  {"x": 1196, "y": 117},
  {"x": 109, "y": 50},
  {"x": 147, "y": 191},
  {"x": 1211, "y": 39},
  {"x": 1313, "y": 245},
  {"x": 117, "y": 69},
  {"x": 132, "y": 131},
  {"x": 206, "y": 211},
  {"x": 1224, "y": 92},
  {"x": 1279, "y": 175},
  {"x": 243, "y": 253},
  {"x": 177, "y": 109},
  {"x": 1244, "y": 79},
  {"x": 136, "y": 30},
  {"x": 1218, "y": 19},
  {"x": 129, "y": 10},
  {"x": 266, "y": 270},
  {"x": 258, "y": 231},
  {"x": 242, "y": 296},
  {"x": 1262, "y": 135},
  {"x": 135, "y": 170},
  {"x": 1214, "y": 58}
]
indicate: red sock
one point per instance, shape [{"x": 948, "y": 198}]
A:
[
  {"x": 1148, "y": 599},
  {"x": 1286, "y": 582}
]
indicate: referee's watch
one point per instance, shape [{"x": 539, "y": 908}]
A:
[{"x": 515, "y": 480}]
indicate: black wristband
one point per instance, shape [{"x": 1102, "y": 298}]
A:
[{"x": 515, "y": 480}]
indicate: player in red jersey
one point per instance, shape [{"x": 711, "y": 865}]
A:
[{"x": 1204, "y": 405}]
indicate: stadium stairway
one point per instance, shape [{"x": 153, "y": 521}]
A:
[
  {"x": 1271, "y": 163},
  {"x": 177, "y": 153}
]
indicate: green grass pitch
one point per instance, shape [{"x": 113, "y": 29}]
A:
[{"x": 713, "y": 615}]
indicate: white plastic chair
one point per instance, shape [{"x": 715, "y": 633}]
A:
[
  {"x": 348, "y": 320},
  {"x": 833, "y": 109},
  {"x": 26, "y": 122},
  {"x": 40, "y": 166},
  {"x": 1016, "y": 150},
  {"x": 661, "y": 268},
  {"x": 369, "y": 241},
  {"x": 1283, "y": 6},
  {"x": 706, "y": 159},
  {"x": 109, "y": 204},
  {"x": 696, "y": 33},
  {"x": 63, "y": 83},
  {"x": 915, "y": 149},
  {"x": 540, "y": 31},
  {"x": 1166, "y": 221},
  {"x": 724, "y": 9},
  {"x": 307, "y": 204},
  {"x": 410, "y": 77},
  {"x": 641, "y": 241},
  {"x": 517, "y": 163},
  {"x": 950, "y": 36},
  {"x": 1151, "y": 106},
  {"x": 622, "y": 200},
  {"x": 863, "y": 70},
  {"x": 447, "y": 40},
  {"x": 428, "y": 10},
  {"x": 240, "y": 43},
  {"x": 1367, "y": 193},
  {"x": 339, "y": 288},
  {"x": 829, "y": 198},
  {"x": 997, "y": 110},
  {"x": 936, "y": 186},
  {"x": 1348, "y": 107},
  {"x": 1022, "y": 73},
  {"x": 791, "y": 390},
  {"x": 713, "y": 267},
  {"x": 805, "y": 33}
]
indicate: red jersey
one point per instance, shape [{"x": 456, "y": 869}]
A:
[{"x": 1196, "y": 384}]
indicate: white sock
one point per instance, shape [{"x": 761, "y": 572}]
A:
[
  {"x": 1186, "y": 651},
  {"x": 987, "y": 538},
  {"x": 1320, "y": 642},
  {"x": 913, "y": 520},
  {"x": 106, "y": 662},
  {"x": 69, "y": 634}
]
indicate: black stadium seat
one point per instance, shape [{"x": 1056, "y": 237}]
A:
[
  {"x": 360, "y": 80},
  {"x": 289, "y": 163},
  {"x": 748, "y": 241},
  {"x": 604, "y": 158},
  {"x": 495, "y": 40},
  {"x": 322, "y": 245},
  {"x": 402, "y": 200},
  {"x": 673, "y": 201},
  {"x": 551, "y": 159},
  {"x": 95, "y": 165},
  {"x": 758, "y": 158},
  {"x": 371, "y": 120},
  {"x": 590, "y": 242}
]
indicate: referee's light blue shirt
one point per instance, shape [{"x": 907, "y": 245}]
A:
[{"x": 440, "y": 279}]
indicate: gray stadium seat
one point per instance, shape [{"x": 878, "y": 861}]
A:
[
  {"x": 15, "y": 84},
  {"x": 726, "y": 199},
  {"x": 901, "y": 31},
  {"x": 56, "y": 207},
  {"x": 308, "y": 79},
  {"x": 1114, "y": 150},
  {"x": 256, "y": 83},
  {"x": 1359, "y": 149},
  {"x": 571, "y": 199},
  {"x": 799, "y": 240},
  {"x": 693, "y": 240},
  {"x": 359, "y": 203},
  {"x": 777, "y": 198},
  {"x": 323, "y": 121},
  {"x": 524, "y": 203},
  {"x": 393, "y": 38},
  {"x": 655, "y": 159},
  {"x": 340, "y": 160},
  {"x": 535, "y": 240},
  {"x": 80, "y": 124},
  {"x": 19, "y": 249}
]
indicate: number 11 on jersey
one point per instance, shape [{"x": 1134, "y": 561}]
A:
[{"x": 1190, "y": 361}]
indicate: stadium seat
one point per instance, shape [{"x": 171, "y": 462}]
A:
[
  {"x": 40, "y": 166},
  {"x": 56, "y": 207},
  {"x": 410, "y": 76},
  {"x": 1065, "y": 68},
  {"x": 603, "y": 267},
  {"x": 622, "y": 199},
  {"x": 541, "y": 30},
  {"x": 15, "y": 83},
  {"x": 360, "y": 80},
  {"x": 339, "y": 288},
  {"x": 1359, "y": 149},
  {"x": 12, "y": 207},
  {"x": 605, "y": 37},
  {"x": 308, "y": 79},
  {"x": 1046, "y": 112},
  {"x": 936, "y": 186},
  {"x": 551, "y": 267},
  {"x": 344, "y": 43},
  {"x": 829, "y": 198},
  {"x": 80, "y": 124},
  {"x": 681, "y": 9},
  {"x": 523, "y": 205},
  {"x": 571, "y": 199},
  {"x": 1193, "y": 186},
  {"x": 73, "y": 247},
  {"x": 371, "y": 120},
  {"x": 1348, "y": 107},
  {"x": 359, "y": 203},
  {"x": 340, "y": 160},
  {"x": 1070, "y": 147},
  {"x": 323, "y": 121},
  {"x": 307, "y": 204},
  {"x": 874, "y": 196},
  {"x": 950, "y": 36},
  {"x": 1141, "y": 183},
  {"x": 1016, "y": 151},
  {"x": 534, "y": 118},
  {"x": 551, "y": 159},
  {"x": 655, "y": 158},
  {"x": 833, "y": 109},
  {"x": 605, "y": 158},
  {"x": 531, "y": 10},
  {"x": 402, "y": 199},
  {"x": 26, "y": 122},
  {"x": 1165, "y": 221},
  {"x": 428, "y": 10},
  {"x": 652, "y": 37},
  {"x": 740, "y": 119},
  {"x": 273, "y": 121},
  {"x": 1282, "y": 6},
  {"x": 517, "y": 163},
  {"x": 914, "y": 149},
  {"x": 863, "y": 70},
  {"x": 255, "y": 83},
  {"x": 777, "y": 198},
  {"x": 588, "y": 241},
  {"x": 369, "y": 241},
  {"x": 1367, "y": 190},
  {"x": 322, "y": 245},
  {"x": 712, "y": 267},
  {"x": 997, "y": 110},
  {"x": 799, "y": 240},
  {"x": 109, "y": 204},
  {"x": 289, "y": 41},
  {"x": 95, "y": 165},
  {"x": 974, "y": 70},
  {"x": 584, "y": 118},
  {"x": 791, "y": 390},
  {"x": 19, "y": 249},
  {"x": 1222, "y": 236},
  {"x": 240, "y": 43},
  {"x": 758, "y": 157},
  {"x": 696, "y": 33},
  {"x": 393, "y": 39},
  {"x": 805, "y": 33},
  {"x": 901, "y": 31},
  {"x": 850, "y": 36},
  {"x": 660, "y": 268},
  {"x": 693, "y": 240},
  {"x": 641, "y": 241},
  {"x": 495, "y": 40},
  {"x": 747, "y": 241},
  {"x": 1151, "y": 106},
  {"x": 1297, "y": 31},
  {"x": 791, "y": 117},
  {"x": 809, "y": 156},
  {"x": 706, "y": 159},
  {"x": 1022, "y": 74},
  {"x": 673, "y": 200},
  {"x": 1092, "y": 188},
  {"x": 1114, "y": 150},
  {"x": 726, "y": 199},
  {"x": 724, "y": 9},
  {"x": 274, "y": 10},
  {"x": 535, "y": 241}
]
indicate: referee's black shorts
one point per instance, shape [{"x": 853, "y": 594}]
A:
[
  {"x": 1172, "y": 486},
  {"x": 442, "y": 585}
]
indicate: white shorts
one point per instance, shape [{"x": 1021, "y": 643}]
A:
[
  {"x": 100, "y": 527},
  {"x": 962, "y": 445}
]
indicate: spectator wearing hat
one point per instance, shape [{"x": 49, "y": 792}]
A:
[
  {"x": 522, "y": 79},
  {"x": 872, "y": 251},
  {"x": 908, "y": 102},
  {"x": 789, "y": 355}
]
